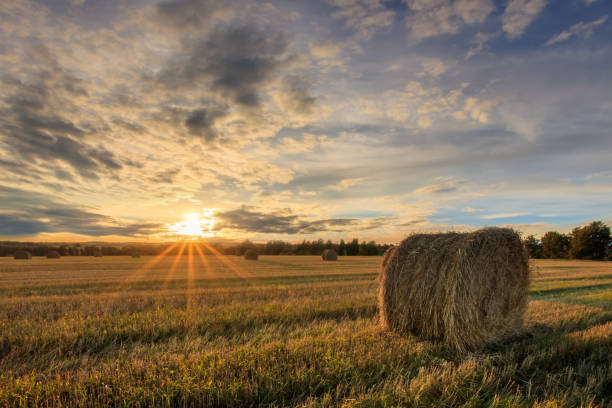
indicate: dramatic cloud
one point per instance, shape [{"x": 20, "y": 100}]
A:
[
  {"x": 38, "y": 127},
  {"x": 519, "y": 14},
  {"x": 581, "y": 29},
  {"x": 250, "y": 219},
  {"x": 236, "y": 61},
  {"x": 123, "y": 118}
]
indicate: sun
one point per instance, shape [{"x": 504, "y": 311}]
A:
[{"x": 195, "y": 225}]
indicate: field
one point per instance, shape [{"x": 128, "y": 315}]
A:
[{"x": 203, "y": 330}]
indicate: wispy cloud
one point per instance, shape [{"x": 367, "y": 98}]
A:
[
  {"x": 519, "y": 14},
  {"x": 581, "y": 29}
]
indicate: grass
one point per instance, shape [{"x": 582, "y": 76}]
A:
[{"x": 281, "y": 331}]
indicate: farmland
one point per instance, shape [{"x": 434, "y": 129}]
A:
[{"x": 203, "y": 330}]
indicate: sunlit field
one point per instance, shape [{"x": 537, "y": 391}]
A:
[{"x": 210, "y": 330}]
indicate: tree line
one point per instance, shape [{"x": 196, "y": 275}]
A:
[
  {"x": 591, "y": 241},
  {"x": 587, "y": 242},
  {"x": 275, "y": 247}
]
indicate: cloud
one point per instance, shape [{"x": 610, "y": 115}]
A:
[
  {"x": 346, "y": 183},
  {"x": 250, "y": 219},
  {"x": 432, "y": 18},
  {"x": 444, "y": 185},
  {"x": 166, "y": 176},
  {"x": 365, "y": 17},
  {"x": 425, "y": 105},
  {"x": 581, "y": 29},
  {"x": 190, "y": 13},
  {"x": 284, "y": 221},
  {"x": 235, "y": 61},
  {"x": 433, "y": 67},
  {"x": 26, "y": 213},
  {"x": 519, "y": 14},
  {"x": 295, "y": 97},
  {"x": 325, "y": 50},
  {"x": 201, "y": 122},
  {"x": 38, "y": 126},
  {"x": 307, "y": 143},
  {"x": 479, "y": 41}
]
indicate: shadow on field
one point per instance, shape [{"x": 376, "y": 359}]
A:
[{"x": 543, "y": 294}]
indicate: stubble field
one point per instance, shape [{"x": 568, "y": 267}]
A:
[{"x": 209, "y": 330}]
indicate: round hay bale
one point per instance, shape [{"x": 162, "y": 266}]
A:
[
  {"x": 329, "y": 255},
  {"x": 53, "y": 254},
  {"x": 466, "y": 289},
  {"x": 22, "y": 254},
  {"x": 135, "y": 254},
  {"x": 251, "y": 255}
]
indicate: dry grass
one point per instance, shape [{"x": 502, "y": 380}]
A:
[
  {"x": 466, "y": 289},
  {"x": 329, "y": 255},
  {"x": 283, "y": 331}
]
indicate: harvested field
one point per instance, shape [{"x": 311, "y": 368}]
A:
[{"x": 283, "y": 331}]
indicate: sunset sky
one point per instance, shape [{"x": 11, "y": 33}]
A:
[{"x": 133, "y": 120}]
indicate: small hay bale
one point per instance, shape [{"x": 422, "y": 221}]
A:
[
  {"x": 135, "y": 254},
  {"x": 22, "y": 254},
  {"x": 53, "y": 254},
  {"x": 466, "y": 289},
  {"x": 329, "y": 255},
  {"x": 251, "y": 255}
]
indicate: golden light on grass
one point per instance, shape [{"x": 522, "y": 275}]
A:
[
  {"x": 241, "y": 273},
  {"x": 177, "y": 259},
  {"x": 138, "y": 273}
]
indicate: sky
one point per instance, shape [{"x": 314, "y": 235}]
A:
[{"x": 139, "y": 120}]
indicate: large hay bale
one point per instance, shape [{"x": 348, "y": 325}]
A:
[
  {"x": 466, "y": 289},
  {"x": 22, "y": 254},
  {"x": 329, "y": 255},
  {"x": 251, "y": 255},
  {"x": 53, "y": 254}
]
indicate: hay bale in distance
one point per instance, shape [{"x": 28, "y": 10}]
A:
[
  {"x": 466, "y": 289},
  {"x": 251, "y": 255},
  {"x": 53, "y": 254},
  {"x": 22, "y": 254},
  {"x": 135, "y": 254},
  {"x": 329, "y": 255}
]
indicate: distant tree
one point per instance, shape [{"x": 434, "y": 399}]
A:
[
  {"x": 367, "y": 249},
  {"x": 555, "y": 245},
  {"x": 342, "y": 248},
  {"x": 534, "y": 247},
  {"x": 352, "y": 248},
  {"x": 590, "y": 242}
]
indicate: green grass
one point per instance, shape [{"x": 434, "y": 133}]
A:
[{"x": 282, "y": 331}]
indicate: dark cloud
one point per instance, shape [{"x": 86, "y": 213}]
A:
[
  {"x": 34, "y": 123},
  {"x": 250, "y": 219},
  {"x": 27, "y": 213},
  {"x": 201, "y": 122},
  {"x": 235, "y": 61}
]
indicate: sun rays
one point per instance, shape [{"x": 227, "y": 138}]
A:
[{"x": 183, "y": 269}]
